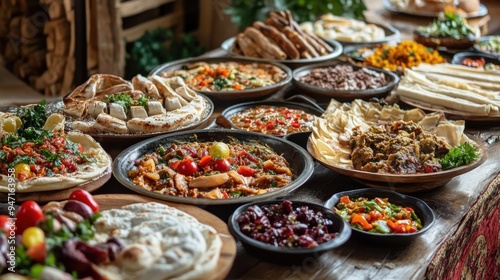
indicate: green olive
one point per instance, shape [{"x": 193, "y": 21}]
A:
[{"x": 219, "y": 150}]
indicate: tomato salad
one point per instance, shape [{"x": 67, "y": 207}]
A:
[
  {"x": 273, "y": 120},
  {"x": 52, "y": 153},
  {"x": 378, "y": 215},
  {"x": 213, "y": 170},
  {"x": 228, "y": 76}
]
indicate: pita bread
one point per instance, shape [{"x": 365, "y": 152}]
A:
[{"x": 85, "y": 105}]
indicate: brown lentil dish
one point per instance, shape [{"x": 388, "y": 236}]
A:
[
  {"x": 344, "y": 77},
  {"x": 213, "y": 170},
  {"x": 273, "y": 120},
  {"x": 398, "y": 148}
]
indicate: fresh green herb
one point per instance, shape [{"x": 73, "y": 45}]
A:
[
  {"x": 274, "y": 184},
  {"x": 460, "y": 155},
  {"x": 220, "y": 84},
  {"x": 160, "y": 150},
  {"x": 143, "y": 101},
  {"x": 123, "y": 99},
  {"x": 236, "y": 194},
  {"x": 33, "y": 116},
  {"x": 3, "y": 156},
  {"x": 22, "y": 159}
]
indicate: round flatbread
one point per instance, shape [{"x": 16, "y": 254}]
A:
[
  {"x": 85, "y": 172},
  {"x": 161, "y": 242}
]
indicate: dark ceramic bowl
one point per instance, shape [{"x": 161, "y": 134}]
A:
[
  {"x": 391, "y": 78},
  {"x": 483, "y": 39},
  {"x": 224, "y": 119},
  {"x": 245, "y": 94},
  {"x": 300, "y": 162},
  {"x": 488, "y": 58},
  {"x": 286, "y": 255},
  {"x": 423, "y": 211}
]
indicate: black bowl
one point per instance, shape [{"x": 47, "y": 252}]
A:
[
  {"x": 286, "y": 255},
  {"x": 423, "y": 211},
  {"x": 300, "y": 162},
  {"x": 488, "y": 58},
  {"x": 391, "y": 78}
]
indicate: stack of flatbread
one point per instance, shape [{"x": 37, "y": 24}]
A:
[
  {"x": 161, "y": 242},
  {"x": 456, "y": 87},
  {"x": 331, "y": 133},
  {"x": 171, "y": 104}
]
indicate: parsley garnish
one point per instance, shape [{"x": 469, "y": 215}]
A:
[
  {"x": 220, "y": 83},
  {"x": 22, "y": 159},
  {"x": 123, "y": 99}
]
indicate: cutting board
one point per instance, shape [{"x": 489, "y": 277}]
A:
[{"x": 228, "y": 251}]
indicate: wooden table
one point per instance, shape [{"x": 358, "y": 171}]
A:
[{"x": 451, "y": 203}]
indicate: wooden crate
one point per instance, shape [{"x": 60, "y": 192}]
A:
[{"x": 117, "y": 22}]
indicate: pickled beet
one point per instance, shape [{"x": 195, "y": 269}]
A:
[{"x": 282, "y": 225}]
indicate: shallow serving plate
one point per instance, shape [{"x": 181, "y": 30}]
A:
[
  {"x": 298, "y": 73},
  {"x": 57, "y": 106},
  {"x": 246, "y": 94},
  {"x": 404, "y": 183},
  {"x": 300, "y": 161},
  {"x": 423, "y": 211},
  {"x": 285, "y": 255},
  {"x": 337, "y": 50},
  {"x": 488, "y": 58},
  {"x": 391, "y": 35},
  {"x": 482, "y": 11}
]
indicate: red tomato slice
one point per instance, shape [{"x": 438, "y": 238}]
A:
[
  {"x": 5, "y": 224},
  {"x": 86, "y": 198},
  {"x": 28, "y": 214},
  {"x": 245, "y": 171}
]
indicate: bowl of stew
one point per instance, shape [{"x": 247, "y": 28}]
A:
[
  {"x": 290, "y": 120},
  {"x": 228, "y": 78},
  {"x": 283, "y": 231},
  {"x": 382, "y": 216}
]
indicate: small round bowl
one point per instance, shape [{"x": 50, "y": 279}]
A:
[
  {"x": 483, "y": 39},
  {"x": 285, "y": 255},
  {"x": 423, "y": 211}
]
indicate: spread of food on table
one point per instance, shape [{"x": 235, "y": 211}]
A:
[
  {"x": 75, "y": 239},
  {"x": 274, "y": 120},
  {"x": 212, "y": 170},
  {"x": 344, "y": 29},
  {"x": 227, "y": 76},
  {"x": 50, "y": 147}
]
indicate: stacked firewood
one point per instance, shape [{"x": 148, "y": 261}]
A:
[
  {"x": 22, "y": 39},
  {"x": 58, "y": 78},
  {"x": 38, "y": 44}
]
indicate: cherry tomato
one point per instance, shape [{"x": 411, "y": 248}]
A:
[
  {"x": 33, "y": 236},
  {"x": 28, "y": 214},
  {"x": 245, "y": 171},
  {"x": 187, "y": 167},
  {"x": 5, "y": 224},
  {"x": 221, "y": 165},
  {"x": 85, "y": 197},
  {"x": 219, "y": 150}
]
